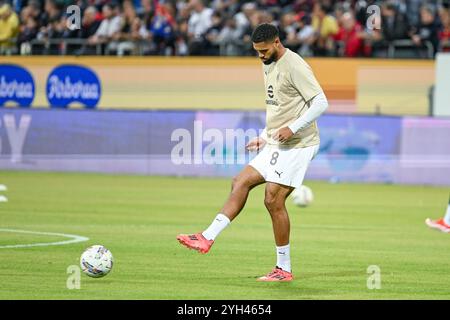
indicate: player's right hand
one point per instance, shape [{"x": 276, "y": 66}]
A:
[{"x": 255, "y": 144}]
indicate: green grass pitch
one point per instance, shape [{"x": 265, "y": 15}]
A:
[{"x": 348, "y": 228}]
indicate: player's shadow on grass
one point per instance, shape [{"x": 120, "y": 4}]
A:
[
  {"x": 298, "y": 286},
  {"x": 289, "y": 290},
  {"x": 323, "y": 275}
]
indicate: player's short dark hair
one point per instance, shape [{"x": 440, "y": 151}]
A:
[{"x": 265, "y": 32}]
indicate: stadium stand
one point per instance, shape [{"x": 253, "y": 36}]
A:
[{"x": 409, "y": 29}]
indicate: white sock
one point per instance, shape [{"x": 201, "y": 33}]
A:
[
  {"x": 220, "y": 222},
  {"x": 284, "y": 258},
  {"x": 447, "y": 215}
]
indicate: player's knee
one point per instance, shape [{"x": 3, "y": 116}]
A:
[
  {"x": 237, "y": 183},
  {"x": 273, "y": 203}
]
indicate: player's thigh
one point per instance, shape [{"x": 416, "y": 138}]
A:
[{"x": 248, "y": 177}]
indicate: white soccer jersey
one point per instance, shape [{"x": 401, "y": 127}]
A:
[{"x": 290, "y": 85}]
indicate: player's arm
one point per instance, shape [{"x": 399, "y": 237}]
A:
[
  {"x": 318, "y": 106},
  {"x": 258, "y": 142}
]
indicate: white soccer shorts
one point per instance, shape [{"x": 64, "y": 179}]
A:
[{"x": 284, "y": 166}]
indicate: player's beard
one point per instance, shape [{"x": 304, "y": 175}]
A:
[{"x": 270, "y": 59}]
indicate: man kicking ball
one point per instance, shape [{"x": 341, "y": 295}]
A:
[{"x": 294, "y": 100}]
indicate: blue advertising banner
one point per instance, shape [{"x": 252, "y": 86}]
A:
[
  {"x": 68, "y": 84},
  {"x": 16, "y": 85}
]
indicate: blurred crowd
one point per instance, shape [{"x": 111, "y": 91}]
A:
[{"x": 348, "y": 28}]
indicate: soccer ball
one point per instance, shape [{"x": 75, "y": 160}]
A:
[
  {"x": 302, "y": 196},
  {"x": 96, "y": 261}
]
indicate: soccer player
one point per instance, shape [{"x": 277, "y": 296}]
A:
[
  {"x": 442, "y": 224},
  {"x": 294, "y": 100}
]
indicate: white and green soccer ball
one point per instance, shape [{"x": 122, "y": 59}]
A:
[
  {"x": 96, "y": 261},
  {"x": 303, "y": 196}
]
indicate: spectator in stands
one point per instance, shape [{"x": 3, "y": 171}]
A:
[
  {"x": 395, "y": 25},
  {"x": 56, "y": 28},
  {"x": 162, "y": 31},
  {"x": 9, "y": 29},
  {"x": 227, "y": 8},
  {"x": 28, "y": 30},
  {"x": 326, "y": 27},
  {"x": 302, "y": 37},
  {"x": 181, "y": 38},
  {"x": 305, "y": 36},
  {"x": 243, "y": 18},
  {"x": 131, "y": 32},
  {"x": 50, "y": 23},
  {"x": 146, "y": 12},
  {"x": 212, "y": 44},
  {"x": 185, "y": 26},
  {"x": 428, "y": 29},
  {"x": 32, "y": 9},
  {"x": 412, "y": 9},
  {"x": 110, "y": 25},
  {"x": 255, "y": 19},
  {"x": 230, "y": 38},
  {"x": 444, "y": 35},
  {"x": 287, "y": 26},
  {"x": 339, "y": 9},
  {"x": 199, "y": 22},
  {"x": 52, "y": 12},
  {"x": 350, "y": 35},
  {"x": 268, "y": 17},
  {"x": 90, "y": 23}
]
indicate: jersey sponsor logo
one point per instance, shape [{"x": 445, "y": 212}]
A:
[
  {"x": 271, "y": 95},
  {"x": 67, "y": 84},
  {"x": 16, "y": 85},
  {"x": 272, "y": 102}
]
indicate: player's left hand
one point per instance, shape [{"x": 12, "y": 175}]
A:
[{"x": 283, "y": 135}]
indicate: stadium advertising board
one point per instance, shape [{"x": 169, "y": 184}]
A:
[
  {"x": 16, "y": 85},
  {"x": 68, "y": 84},
  {"x": 361, "y": 86},
  {"x": 207, "y": 143}
]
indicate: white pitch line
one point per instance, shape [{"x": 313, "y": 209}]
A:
[{"x": 74, "y": 239}]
